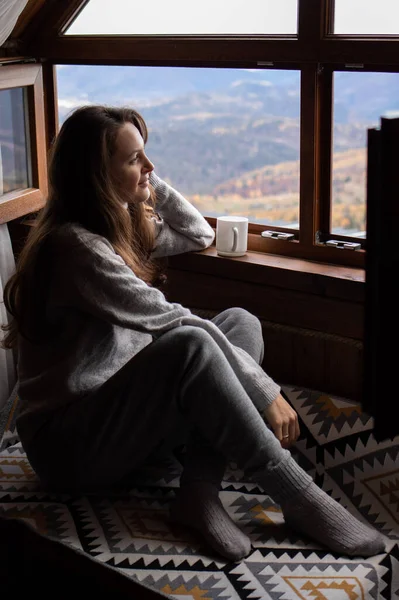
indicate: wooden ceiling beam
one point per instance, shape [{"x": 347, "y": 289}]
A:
[
  {"x": 216, "y": 51},
  {"x": 162, "y": 50},
  {"x": 45, "y": 18},
  {"x": 29, "y": 13}
]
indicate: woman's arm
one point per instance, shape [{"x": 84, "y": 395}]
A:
[{"x": 181, "y": 228}]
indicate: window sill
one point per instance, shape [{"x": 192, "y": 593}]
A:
[
  {"x": 333, "y": 281},
  {"x": 20, "y": 203}
]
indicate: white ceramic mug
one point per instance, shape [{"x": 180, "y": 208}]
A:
[{"x": 231, "y": 236}]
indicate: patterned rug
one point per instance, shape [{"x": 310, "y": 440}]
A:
[{"x": 128, "y": 528}]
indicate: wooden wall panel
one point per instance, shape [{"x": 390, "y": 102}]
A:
[
  {"x": 309, "y": 353},
  {"x": 322, "y": 279},
  {"x": 309, "y": 339},
  {"x": 344, "y": 369},
  {"x": 279, "y": 305},
  {"x": 278, "y": 344}
]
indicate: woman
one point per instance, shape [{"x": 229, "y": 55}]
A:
[{"x": 110, "y": 371}]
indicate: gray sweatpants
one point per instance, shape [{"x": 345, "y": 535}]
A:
[{"x": 180, "y": 388}]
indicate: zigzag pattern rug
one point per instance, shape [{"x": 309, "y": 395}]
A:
[{"x": 128, "y": 528}]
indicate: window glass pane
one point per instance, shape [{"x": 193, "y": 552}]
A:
[
  {"x": 366, "y": 17},
  {"x": 228, "y": 139},
  {"x": 13, "y": 151},
  {"x": 352, "y": 117},
  {"x": 182, "y": 17}
]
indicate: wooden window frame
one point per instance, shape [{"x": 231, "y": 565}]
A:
[
  {"x": 315, "y": 51},
  {"x": 21, "y": 202}
]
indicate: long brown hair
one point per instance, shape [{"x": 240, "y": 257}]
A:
[{"x": 80, "y": 191}]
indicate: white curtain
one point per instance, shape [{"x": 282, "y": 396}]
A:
[
  {"x": 9, "y": 13},
  {"x": 7, "y": 363}
]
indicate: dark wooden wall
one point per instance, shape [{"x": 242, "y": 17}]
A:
[{"x": 313, "y": 324}]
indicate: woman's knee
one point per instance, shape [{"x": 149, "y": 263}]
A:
[
  {"x": 245, "y": 320},
  {"x": 243, "y": 329},
  {"x": 190, "y": 336},
  {"x": 195, "y": 346},
  {"x": 242, "y": 315}
]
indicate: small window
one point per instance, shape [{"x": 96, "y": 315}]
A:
[
  {"x": 353, "y": 116},
  {"x": 228, "y": 139},
  {"x": 13, "y": 147},
  {"x": 23, "y": 149},
  {"x": 182, "y": 17},
  {"x": 366, "y": 17}
]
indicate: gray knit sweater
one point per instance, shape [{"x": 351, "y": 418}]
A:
[{"x": 105, "y": 314}]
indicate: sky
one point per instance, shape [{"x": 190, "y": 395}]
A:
[
  {"x": 228, "y": 16},
  {"x": 187, "y": 17},
  {"x": 367, "y": 16}
]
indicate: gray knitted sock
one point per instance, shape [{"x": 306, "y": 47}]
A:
[
  {"x": 198, "y": 506},
  {"x": 309, "y": 510}
]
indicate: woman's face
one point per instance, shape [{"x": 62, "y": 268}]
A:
[{"x": 130, "y": 167}]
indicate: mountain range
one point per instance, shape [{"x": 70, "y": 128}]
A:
[
  {"x": 359, "y": 96},
  {"x": 208, "y": 127}
]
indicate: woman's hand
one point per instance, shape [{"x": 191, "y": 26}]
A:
[{"x": 283, "y": 420}]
